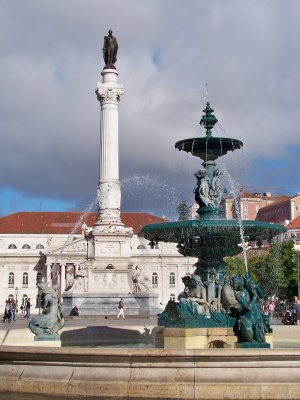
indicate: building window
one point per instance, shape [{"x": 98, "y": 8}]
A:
[
  {"x": 25, "y": 280},
  {"x": 38, "y": 277},
  {"x": 141, "y": 247},
  {"x": 12, "y": 246},
  {"x": 10, "y": 297},
  {"x": 154, "y": 279},
  {"x": 172, "y": 279},
  {"x": 11, "y": 279},
  {"x": 245, "y": 207},
  {"x": 172, "y": 297},
  {"x": 246, "y": 216},
  {"x": 24, "y": 300},
  {"x": 39, "y": 246},
  {"x": 26, "y": 246}
]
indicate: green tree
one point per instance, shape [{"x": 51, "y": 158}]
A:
[{"x": 274, "y": 271}]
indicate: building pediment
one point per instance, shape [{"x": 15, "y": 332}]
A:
[{"x": 75, "y": 246}]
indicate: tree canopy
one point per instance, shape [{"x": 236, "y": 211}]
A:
[{"x": 274, "y": 270}]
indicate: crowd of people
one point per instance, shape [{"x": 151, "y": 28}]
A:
[
  {"x": 11, "y": 309},
  {"x": 292, "y": 315}
]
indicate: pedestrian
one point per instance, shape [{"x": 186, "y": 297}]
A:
[
  {"x": 297, "y": 308},
  {"x": 6, "y": 312},
  {"x": 28, "y": 305},
  {"x": 12, "y": 309},
  {"x": 121, "y": 309},
  {"x": 266, "y": 308},
  {"x": 271, "y": 310}
]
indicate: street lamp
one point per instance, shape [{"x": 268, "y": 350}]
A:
[{"x": 17, "y": 291}]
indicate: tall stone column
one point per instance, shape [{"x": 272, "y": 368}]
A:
[
  {"x": 109, "y": 93},
  {"x": 49, "y": 274},
  {"x": 62, "y": 277}
]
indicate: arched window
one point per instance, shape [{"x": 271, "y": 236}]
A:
[
  {"x": 24, "y": 300},
  {"x": 12, "y": 246},
  {"x": 154, "y": 279},
  {"x": 11, "y": 279},
  {"x": 26, "y": 246},
  {"x": 10, "y": 297},
  {"x": 172, "y": 279},
  {"x": 172, "y": 297},
  {"x": 39, "y": 246},
  {"x": 141, "y": 247},
  {"x": 25, "y": 280}
]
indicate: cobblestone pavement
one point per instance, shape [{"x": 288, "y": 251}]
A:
[{"x": 21, "y": 322}]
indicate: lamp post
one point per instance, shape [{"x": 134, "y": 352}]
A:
[{"x": 16, "y": 291}]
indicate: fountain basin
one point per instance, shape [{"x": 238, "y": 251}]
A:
[
  {"x": 205, "y": 233},
  {"x": 208, "y": 148},
  {"x": 151, "y": 373}
]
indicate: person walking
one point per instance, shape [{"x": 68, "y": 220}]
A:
[
  {"x": 6, "y": 312},
  {"x": 271, "y": 310},
  {"x": 12, "y": 309},
  {"x": 28, "y": 305},
  {"x": 297, "y": 308},
  {"x": 266, "y": 308},
  {"x": 121, "y": 309}
]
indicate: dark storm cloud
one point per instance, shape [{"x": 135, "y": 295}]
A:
[{"x": 51, "y": 60}]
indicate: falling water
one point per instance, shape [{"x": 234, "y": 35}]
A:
[
  {"x": 234, "y": 190},
  {"x": 192, "y": 152},
  {"x": 150, "y": 190},
  {"x": 77, "y": 224}
]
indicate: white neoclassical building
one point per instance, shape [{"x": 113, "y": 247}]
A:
[{"x": 37, "y": 246}]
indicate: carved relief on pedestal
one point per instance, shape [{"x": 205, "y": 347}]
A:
[
  {"x": 107, "y": 281},
  {"x": 80, "y": 283},
  {"x": 113, "y": 229}
]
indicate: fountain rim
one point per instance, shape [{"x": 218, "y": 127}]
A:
[
  {"x": 151, "y": 230},
  {"x": 207, "y": 139}
]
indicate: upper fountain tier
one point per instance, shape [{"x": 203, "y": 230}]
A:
[{"x": 208, "y": 148}]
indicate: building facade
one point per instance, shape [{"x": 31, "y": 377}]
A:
[{"x": 45, "y": 246}]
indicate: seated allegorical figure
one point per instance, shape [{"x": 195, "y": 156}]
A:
[{"x": 46, "y": 325}]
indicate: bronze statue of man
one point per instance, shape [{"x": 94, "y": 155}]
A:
[{"x": 110, "y": 50}]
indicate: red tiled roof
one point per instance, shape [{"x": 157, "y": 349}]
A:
[
  {"x": 279, "y": 200},
  {"x": 294, "y": 224},
  {"x": 64, "y": 222}
]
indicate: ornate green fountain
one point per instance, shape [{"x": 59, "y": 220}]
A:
[{"x": 210, "y": 298}]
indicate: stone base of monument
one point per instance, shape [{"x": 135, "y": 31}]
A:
[
  {"x": 140, "y": 304},
  {"x": 194, "y": 338}
]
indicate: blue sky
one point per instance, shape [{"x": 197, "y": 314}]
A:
[{"x": 168, "y": 54}]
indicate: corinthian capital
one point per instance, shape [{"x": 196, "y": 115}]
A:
[{"x": 108, "y": 94}]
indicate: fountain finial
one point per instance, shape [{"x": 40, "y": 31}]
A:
[{"x": 208, "y": 120}]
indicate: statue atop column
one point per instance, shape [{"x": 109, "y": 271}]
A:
[{"x": 110, "y": 50}]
